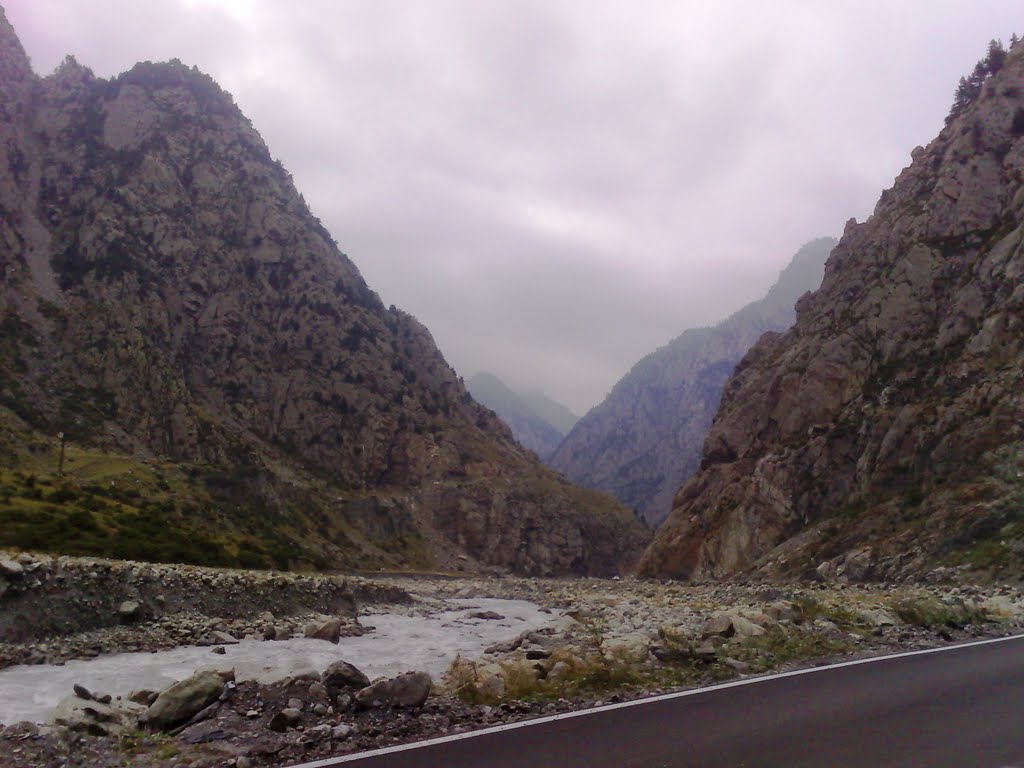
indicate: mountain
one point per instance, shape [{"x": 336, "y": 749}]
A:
[
  {"x": 882, "y": 436},
  {"x": 229, "y": 389},
  {"x": 530, "y": 428},
  {"x": 645, "y": 438},
  {"x": 553, "y": 412}
]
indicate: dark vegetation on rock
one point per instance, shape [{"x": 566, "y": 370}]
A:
[
  {"x": 229, "y": 389},
  {"x": 883, "y": 434}
]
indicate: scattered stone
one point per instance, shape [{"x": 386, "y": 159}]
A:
[
  {"x": 82, "y": 692},
  {"x": 11, "y": 567},
  {"x": 720, "y": 625},
  {"x": 878, "y": 617},
  {"x": 319, "y": 690},
  {"x": 783, "y": 610},
  {"x": 506, "y": 647},
  {"x": 342, "y": 731},
  {"x": 740, "y": 666},
  {"x": 129, "y": 611},
  {"x": 485, "y": 615},
  {"x": 145, "y": 697},
  {"x": 287, "y": 718},
  {"x": 730, "y": 625},
  {"x": 94, "y": 717},
  {"x": 208, "y": 731}
]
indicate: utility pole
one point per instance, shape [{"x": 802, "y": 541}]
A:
[{"x": 60, "y": 465}]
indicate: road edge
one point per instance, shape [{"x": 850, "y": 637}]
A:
[{"x": 333, "y": 761}]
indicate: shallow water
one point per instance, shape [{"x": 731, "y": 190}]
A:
[{"x": 398, "y": 644}]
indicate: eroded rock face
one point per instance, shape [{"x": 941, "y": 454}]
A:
[
  {"x": 890, "y": 419},
  {"x": 168, "y": 293},
  {"x": 645, "y": 439}
]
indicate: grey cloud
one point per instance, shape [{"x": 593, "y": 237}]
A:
[{"x": 555, "y": 189}]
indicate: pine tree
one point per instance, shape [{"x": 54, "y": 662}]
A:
[
  {"x": 970, "y": 87},
  {"x": 996, "y": 56}
]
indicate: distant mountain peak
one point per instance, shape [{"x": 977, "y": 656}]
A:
[
  {"x": 532, "y": 418},
  {"x": 644, "y": 439}
]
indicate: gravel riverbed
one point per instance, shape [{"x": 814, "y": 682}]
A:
[{"x": 562, "y": 645}]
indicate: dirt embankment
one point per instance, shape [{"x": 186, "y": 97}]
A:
[{"x": 43, "y": 597}]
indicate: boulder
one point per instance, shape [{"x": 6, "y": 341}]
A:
[
  {"x": 784, "y": 610},
  {"x": 224, "y": 638},
  {"x": 730, "y": 625},
  {"x": 10, "y": 567},
  {"x": 186, "y": 698},
  {"x": 329, "y": 630},
  {"x": 94, "y": 717},
  {"x": 632, "y": 647},
  {"x": 878, "y": 617},
  {"x": 559, "y": 671},
  {"x": 288, "y": 717},
  {"x": 745, "y": 628},
  {"x": 341, "y": 675},
  {"x": 1002, "y": 607},
  {"x": 408, "y": 690},
  {"x": 129, "y": 611},
  {"x": 719, "y": 625}
]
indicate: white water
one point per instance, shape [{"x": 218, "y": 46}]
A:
[{"x": 398, "y": 644}]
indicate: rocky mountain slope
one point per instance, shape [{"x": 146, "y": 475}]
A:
[
  {"x": 645, "y": 438},
  {"x": 522, "y": 413},
  {"x": 223, "y": 376},
  {"x": 884, "y": 433}
]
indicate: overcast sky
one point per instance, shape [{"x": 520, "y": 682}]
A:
[{"x": 557, "y": 188}]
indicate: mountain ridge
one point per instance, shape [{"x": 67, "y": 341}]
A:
[
  {"x": 881, "y": 436},
  {"x": 171, "y": 301},
  {"x": 644, "y": 439}
]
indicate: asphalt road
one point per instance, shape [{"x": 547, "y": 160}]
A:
[{"x": 963, "y": 707}]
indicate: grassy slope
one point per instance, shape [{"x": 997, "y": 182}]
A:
[{"x": 124, "y": 507}]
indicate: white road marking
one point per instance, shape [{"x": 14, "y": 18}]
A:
[{"x": 639, "y": 702}]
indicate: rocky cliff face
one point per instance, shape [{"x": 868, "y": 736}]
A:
[
  {"x": 168, "y": 295},
  {"x": 532, "y": 429},
  {"x": 884, "y": 433},
  {"x": 645, "y": 439}
]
